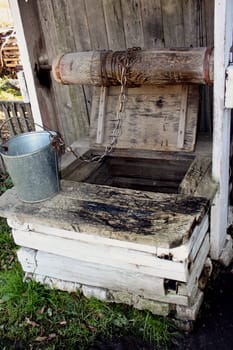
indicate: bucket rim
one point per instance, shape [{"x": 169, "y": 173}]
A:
[{"x": 5, "y": 155}]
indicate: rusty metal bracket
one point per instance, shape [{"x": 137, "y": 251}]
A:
[{"x": 206, "y": 65}]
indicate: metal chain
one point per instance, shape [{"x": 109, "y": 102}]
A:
[{"x": 125, "y": 62}]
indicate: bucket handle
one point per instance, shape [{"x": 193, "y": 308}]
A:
[
  {"x": 16, "y": 117},
  {"x": 56, "y": 139}
]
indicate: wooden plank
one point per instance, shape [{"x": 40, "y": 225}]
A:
[
  {"x": 85, "y": 272},
  {"x": 222, "y": 118},
  {"x": 75, "y": 104},
  {"x": 71, "y": 110},
  {"x": 114, "y": 24},
  {"x": 101, "y": 114},
  {"x": 79, "y": 24},
  {"x": 179, "y": 254},
  {"x": 183, "y": 116},
  {"x": 209, "y": 22},
  {"x": 192, "y": 17},
  {"x": 198, "y": 265},
  {"x": 97, "y": 275},
  {"x": 81, "y": 36},
  {"x": 165, "y": 220},
  {"x": 97, "y": 30},
  {"x": 152, "y": 23},
  {"x": 151, "y": 118},
  {"x": 132, "y": 23},
  {"x": 198, "y": 180},
  {"x": 16, "y": 10},
  {"x": 97, "y": 254},
  {"x": 173, "y": 25},
  {"x": 189, "y": 250}
]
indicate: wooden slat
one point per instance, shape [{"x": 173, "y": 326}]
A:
[
  {"x": 96, "y": 24},
  {"x": 79, "y": 24},
  {"x": 198, "y": 179},
  {"x": 173, "y": 25},
  {"x": 116, "y": 257},
  {"x": 152, "y": 23},
  {"x": 81, "y": 36},
  {"x": 101, "y": 115},
  {"x": 191, "y": 18},
  {"x": 198, "y": 264},
  {"x": 114, "y": 24},
  {"x": 209, "y": 22},
  {"x": 132, "y": 23},
  {"x": 183, "y": 116},
  {"x": 71, "y": 111},
  {"x": 98, "y": 275}
]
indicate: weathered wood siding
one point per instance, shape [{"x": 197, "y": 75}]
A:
[{"x": 81, "y": 25}]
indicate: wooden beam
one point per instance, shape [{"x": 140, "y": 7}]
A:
[
  {"x": 148, "y": 67},
  {"x": 223, "y": 26},
  {"x": 24, "y": 54}
]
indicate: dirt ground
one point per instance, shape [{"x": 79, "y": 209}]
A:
[
  {"x": 214, "y": 327},
  {"x": 212, "y": 331}
]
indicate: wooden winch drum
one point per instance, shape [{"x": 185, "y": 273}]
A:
[{"x": 146, "y": 67}]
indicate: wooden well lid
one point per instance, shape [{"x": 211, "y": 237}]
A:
[{"x": 160, "y": 118}]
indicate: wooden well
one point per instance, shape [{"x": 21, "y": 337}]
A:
[{"x": 135, "y": 228}]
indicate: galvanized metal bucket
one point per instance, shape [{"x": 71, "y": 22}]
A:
[{"x": 32, "y": 163}]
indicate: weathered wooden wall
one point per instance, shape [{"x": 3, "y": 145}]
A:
[{"x": 82, "y": 25}]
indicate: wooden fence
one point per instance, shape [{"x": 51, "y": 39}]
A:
[{"x": 19, "y": 116}]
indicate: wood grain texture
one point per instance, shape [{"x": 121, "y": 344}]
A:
[
  {"x": 173, "y": 23},
  {"x": 180, "y": 254},
  {"x": 198, "y": 179},
  {"x": 150, "y": 218},
  {"x": 69, "y": 101},
  {"x": 132, "y": 18},
  {"x": 151, "y": 118},
  {"x": 114, "y": 257},
  {"x": 147, "y": 67},
  {"x": 81, "y": 36},
  {"x": 96, "y": 24},
  {"x": 117, "y": 24},
  {"x": 97, "y": 275},
  {"x": 152, "y": 23},
  {"x": 114, "y": 24}
]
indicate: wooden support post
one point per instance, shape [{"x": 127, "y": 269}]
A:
[
  {"x": 221, "y": 133},
  {"x": 24, "y": 54}
]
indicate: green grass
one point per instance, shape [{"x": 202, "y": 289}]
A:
[
  {"x": 35, "y": 317},
  {"x": 7, "y": 92}
]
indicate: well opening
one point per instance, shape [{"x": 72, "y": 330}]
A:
[{"x": 154, "y": 175}]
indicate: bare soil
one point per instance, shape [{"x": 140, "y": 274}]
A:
[{"x": 213, "y": 329}]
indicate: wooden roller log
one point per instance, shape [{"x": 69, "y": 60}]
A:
[{"x": 145, "y": 67}]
